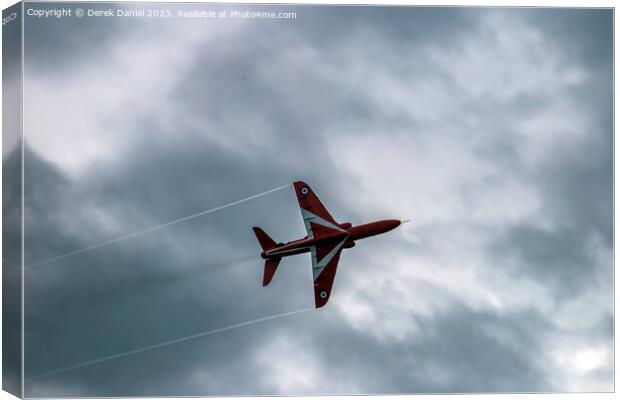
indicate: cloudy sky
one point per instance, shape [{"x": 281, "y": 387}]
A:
[{"x": 491, "y": 129}]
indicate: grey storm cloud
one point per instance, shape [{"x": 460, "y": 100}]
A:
[{"x": 490, "y": 128}]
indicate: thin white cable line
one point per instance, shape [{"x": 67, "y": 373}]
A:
[
  {"x": 147, "y": 230},
  {"x": 170, "y": 342}
]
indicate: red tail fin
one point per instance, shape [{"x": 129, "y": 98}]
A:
[
  {"x": 265, "y": 241},
  {"x": 270, "y": 269}
]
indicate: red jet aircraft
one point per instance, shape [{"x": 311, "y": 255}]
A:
[{"x": 326, "y": 239}]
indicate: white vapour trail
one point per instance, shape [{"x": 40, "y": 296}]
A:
[
  {"x": 168, "y": 343},
  {"x": 151, "y": 229}
]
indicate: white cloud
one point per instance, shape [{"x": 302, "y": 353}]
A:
[
  {"x": 431, "y": 180},
  {"x": 594, "y": 303},
  {"x": 578, "y": 365},
  {"x": 289, "y": 366},
  {"x": 506, "y": 58},
  {"x": 451, "y": 272},
  {"x": 92, "y": 114}
]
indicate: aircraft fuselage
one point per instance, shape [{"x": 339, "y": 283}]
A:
[{"x": 352, "y": 233}]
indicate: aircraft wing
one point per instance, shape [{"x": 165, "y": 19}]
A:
[
  {"x": 317, "y": 219},
  {"x": 324, "y": 264}
]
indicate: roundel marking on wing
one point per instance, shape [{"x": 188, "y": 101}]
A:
[
  {"x": 304, "y": 191},
  {"x": 323, "y": 294}
]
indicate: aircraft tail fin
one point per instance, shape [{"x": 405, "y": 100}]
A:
[
  {"x": 265, "y": 241},
  {"x": 270, "y": 269}
]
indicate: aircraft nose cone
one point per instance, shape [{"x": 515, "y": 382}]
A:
[
  {"x": 392, "y": 223},
  {"x": 387, "y": 225}
]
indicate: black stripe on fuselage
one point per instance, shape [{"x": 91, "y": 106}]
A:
[{"x": 286, "y": 252}]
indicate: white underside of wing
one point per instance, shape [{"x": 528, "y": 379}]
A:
[
  {"x": 315, "y": 219},
  {"x": 319, "y": 265}
]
